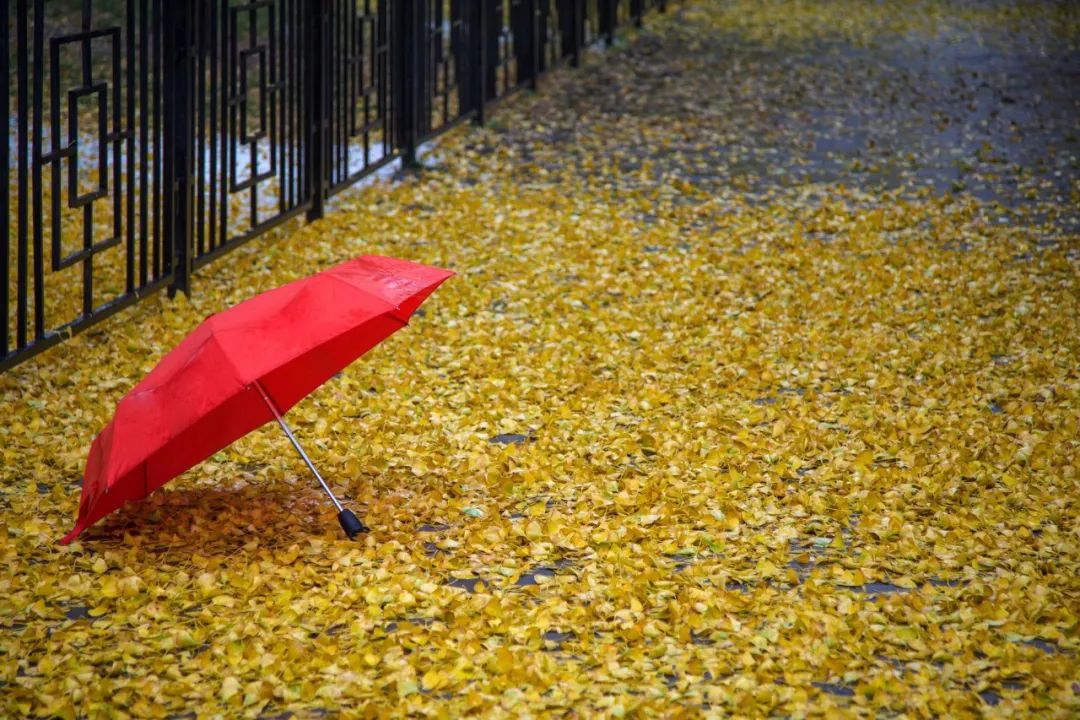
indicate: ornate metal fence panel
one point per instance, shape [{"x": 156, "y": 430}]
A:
[
  {"x": 248, "y": 88},
  {"x": 359, "y": 102},
  {"x": 446, "y": 97},
  {"x": 508, "y": 46},
  {"x": 144, "y": 138},
  {"x": 81, "y": 214},
  {"x": 554, "y": 32},
  {"x": 257, "y": 135}
]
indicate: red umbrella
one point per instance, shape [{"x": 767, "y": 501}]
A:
[{"x": 243, "y": 368}]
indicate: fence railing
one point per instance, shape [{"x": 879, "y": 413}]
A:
[{"x": 144, "y": 138}]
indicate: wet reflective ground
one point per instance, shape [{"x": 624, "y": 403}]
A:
[{"x": 981, "y": 107}]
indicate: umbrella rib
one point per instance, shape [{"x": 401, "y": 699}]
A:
[{"x": 292, "y": 438}]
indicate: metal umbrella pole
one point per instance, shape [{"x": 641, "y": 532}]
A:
[{"x": 349, "y": 522}]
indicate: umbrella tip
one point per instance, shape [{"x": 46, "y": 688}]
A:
[{"x": 351, "y": 524}]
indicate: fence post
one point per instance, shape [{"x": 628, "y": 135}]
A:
[
  {"x": 607, "y": 10},
  {"x": 408, "y": 24},
  {"x": 526, "y": 31},
  {"x": 492, "y": 45},
  {"x": 177, "y": 135},
  {"x": 5, "y": 201},
  {"x": 577, "y": 21},
  {"x": 480, "y": 58},
  {"x": 532, "y": 28},
  {"x": 316, "y": 99}
]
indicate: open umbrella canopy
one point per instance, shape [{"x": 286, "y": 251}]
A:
[{"x": 242, "y": 368}]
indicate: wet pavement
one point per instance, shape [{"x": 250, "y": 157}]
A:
[{"x": 980, "y": 110}]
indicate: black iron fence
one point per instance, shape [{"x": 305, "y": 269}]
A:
[{"x": 144, "y": 138}]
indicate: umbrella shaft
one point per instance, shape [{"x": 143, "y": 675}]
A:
[{"x": 292, "y": 438}]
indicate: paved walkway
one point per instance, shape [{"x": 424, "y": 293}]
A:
[{"x": 756, "y": 393}]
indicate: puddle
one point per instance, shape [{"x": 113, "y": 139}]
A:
[
  {"x": 546, "y": 570},
  {"x": 834, "y": 689},
  {"x": 511, "y": 439},
  {"x": 1048, "y": 648},
  {"x": 529, "y": 578},
  {"x": 78, "y": 612},
  {"x": 874, "y": 589}
]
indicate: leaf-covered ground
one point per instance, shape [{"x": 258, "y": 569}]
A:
[{"x": 757, "y": 393}]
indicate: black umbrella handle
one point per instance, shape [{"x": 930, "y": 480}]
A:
[{"x": 351, "y": 524}]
